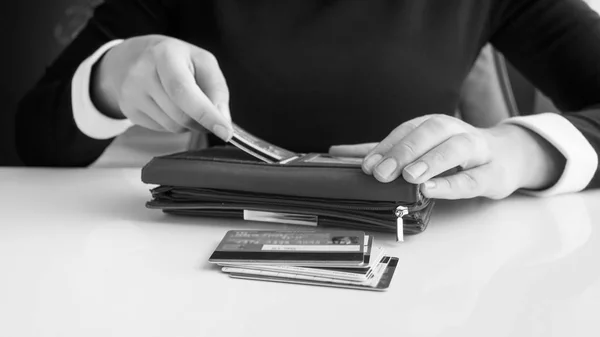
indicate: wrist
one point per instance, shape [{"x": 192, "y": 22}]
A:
[
  {"x": 102, "y": 91},
  {"x": 536, "y": 163}
]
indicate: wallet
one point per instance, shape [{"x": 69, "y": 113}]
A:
[{"x": 310, "y": 190}]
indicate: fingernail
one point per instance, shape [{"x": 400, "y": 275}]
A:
[
  {"x": 430, "y": 185},
  {"x": 372, "y": 161},
  {"x": 416, "y": 170},
  {"x": 221, "y": 132},
  {"x": 386, "y": 168}
]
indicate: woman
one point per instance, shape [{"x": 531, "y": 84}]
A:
[{"x": 306, "y": 75}]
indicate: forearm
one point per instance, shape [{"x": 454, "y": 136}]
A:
[
  {"x": 46, "y": 132},
  {"x": 556, "y": 45},
  {"x": 46, "y": 129},
  {"x": 550, "y": 154}
]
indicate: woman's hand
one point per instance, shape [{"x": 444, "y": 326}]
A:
[
  {"x": 493, "y": 162},
  {"x": 163, "y": 84}
]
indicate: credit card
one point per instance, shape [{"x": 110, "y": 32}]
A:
[
  {"x": 350, "y": 274},
  {"x": 259, "y": 148},
  {"x": 380, "y": 283},
  {"x": 368, "y": 247},
  {"x": 306, "y": 248},
  {"x": 328, "y": 160}
]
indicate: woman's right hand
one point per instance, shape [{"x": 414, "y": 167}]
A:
[{"x": 163, "y": 84}]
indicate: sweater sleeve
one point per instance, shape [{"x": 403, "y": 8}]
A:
[
  {"x": 46, "y": 131},
  {"x": 556, "y": 45}
]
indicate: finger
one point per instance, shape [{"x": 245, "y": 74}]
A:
[
  {"x": 357, "y": 150},
  {"x": 465, "y": 149},
  {"x": 175, "y": 73},
  {"x": 376, "y": 154},
  {"x": 421, "y": 140},
  {"x": 163, "y": 101},
  {"x": 462, "y": 185},
  {"x": 153, "y": 111},
  {"x": 210, "y": 79}
]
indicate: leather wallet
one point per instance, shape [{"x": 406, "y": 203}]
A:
[{"x": 312, "y": 190}]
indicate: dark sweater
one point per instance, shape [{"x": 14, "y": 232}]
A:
[{"x": 307, "y": 74}]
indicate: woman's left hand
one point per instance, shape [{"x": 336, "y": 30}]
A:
[{"x": 493, "y": 162}]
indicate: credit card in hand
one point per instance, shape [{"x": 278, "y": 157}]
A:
[{"x": 259, "y": 148}]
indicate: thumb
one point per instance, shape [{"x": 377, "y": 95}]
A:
[{"x": 356, "y": 150}]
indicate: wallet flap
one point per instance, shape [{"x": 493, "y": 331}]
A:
[{"x": 231, "y": 169}]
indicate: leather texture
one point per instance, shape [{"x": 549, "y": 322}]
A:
[
  {"x": 224, "y": 181},
  {"x": 228, "y": 168}
]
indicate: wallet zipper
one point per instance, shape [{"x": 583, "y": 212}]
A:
[{"x": 400, "y": 211}]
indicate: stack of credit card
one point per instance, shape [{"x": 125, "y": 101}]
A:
[{"x": 341, "y": 258}]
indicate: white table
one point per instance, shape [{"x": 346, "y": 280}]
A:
[{"x": 81, "y": 256}]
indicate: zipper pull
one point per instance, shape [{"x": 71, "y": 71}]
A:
[{"x": 400, "y": 212}]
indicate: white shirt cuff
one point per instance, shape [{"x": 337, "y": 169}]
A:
[
  {"x": 89, "y": 120},
  {"x": 581, "y": 159}
]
